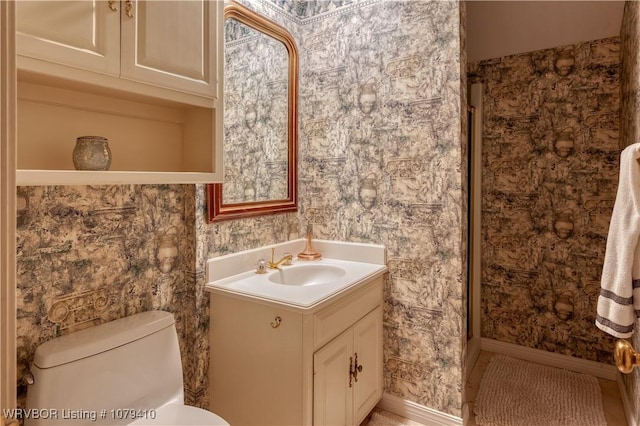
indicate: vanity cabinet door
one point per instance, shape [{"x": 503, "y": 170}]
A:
[
  {"x": 347, "y": 381},
  {"x": 332, "y": 395},
  {"x": 171, "y": 44},
  {"x": 367, "y": 338},
  {"x": 81, "y": 34}
]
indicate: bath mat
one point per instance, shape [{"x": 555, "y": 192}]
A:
[
  {"x": 519, "y": 393},
  {"x": 384, "y": 419}
]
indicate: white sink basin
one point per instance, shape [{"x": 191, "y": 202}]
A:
[
  {"x": 307, "y": 274},
  {"x": 303, "y": 284}
]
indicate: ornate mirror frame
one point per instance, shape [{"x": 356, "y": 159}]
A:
[{"x": 217, "y": 210}]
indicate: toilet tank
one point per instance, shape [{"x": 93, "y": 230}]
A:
[{"x": 132, "y": 363}]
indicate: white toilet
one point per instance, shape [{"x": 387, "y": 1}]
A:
[{"x": 126, "y": 371}]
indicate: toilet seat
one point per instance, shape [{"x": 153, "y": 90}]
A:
[{"x": 178, "y": 414}]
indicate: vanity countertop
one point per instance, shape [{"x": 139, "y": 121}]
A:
[{"x": 308, "y": 283}]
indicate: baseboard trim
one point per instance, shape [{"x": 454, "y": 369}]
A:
[
  {"x": 551, "y": 359},
  {"x": 626, "y": 401},
  {"x": 417, "y": 412},
  {"x": 473, "y": 351}
]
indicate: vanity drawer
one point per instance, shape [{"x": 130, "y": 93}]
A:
[{"x": 330, "y": 322}]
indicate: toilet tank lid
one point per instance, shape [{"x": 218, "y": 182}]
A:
[{"x": 101, "y": 338}]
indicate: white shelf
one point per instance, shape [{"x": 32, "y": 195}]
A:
[
  {"x": 75, "y": 177},
  {"x": 150, "y": 142}
]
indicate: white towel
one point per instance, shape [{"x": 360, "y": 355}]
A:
[{"x": 619, "y": 301}]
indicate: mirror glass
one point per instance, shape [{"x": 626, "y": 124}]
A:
[{"x": 260, "y": 140}]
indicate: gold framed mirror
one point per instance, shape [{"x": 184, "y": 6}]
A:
[{"x": 260, "y": 119}]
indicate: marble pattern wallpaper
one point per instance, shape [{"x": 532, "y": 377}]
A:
[
  {"x": 630, "y": 134},
  {"x": 91, "y": 254},
  {"x": 549, "y": 178}
]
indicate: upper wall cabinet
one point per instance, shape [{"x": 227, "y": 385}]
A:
[
  {"x": 81, "y": 34},
  {"x": 167, "y": 44},
  {"x": 180, "y": 57},
  {"x": 147, "y": 75}
]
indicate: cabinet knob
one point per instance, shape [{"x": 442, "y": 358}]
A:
[
  {"x": 113, "y": 5},
  {"x": 276, "y": 322}
]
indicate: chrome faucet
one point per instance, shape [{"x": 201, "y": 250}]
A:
[{"x": 285, "y": 260}]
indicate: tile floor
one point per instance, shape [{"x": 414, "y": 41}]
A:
[{"x": 401, "y": 420}]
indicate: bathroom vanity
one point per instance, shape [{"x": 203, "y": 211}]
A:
[{"x": 280, "y": 356}]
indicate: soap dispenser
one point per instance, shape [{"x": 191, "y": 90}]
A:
[{"x": 309, "y": 252}]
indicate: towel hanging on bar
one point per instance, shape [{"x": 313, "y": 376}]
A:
[{"x": 619, "y": 300}]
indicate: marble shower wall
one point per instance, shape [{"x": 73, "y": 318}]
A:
[
  {"x": 629, "y": 134},
  {"x": 380, "y": 162},
  {"x": 549, "y": 180}
]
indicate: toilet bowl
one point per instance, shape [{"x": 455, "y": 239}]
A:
[
  {"x": 178, "y": 414},
  {"x": 123, "y": 372}
]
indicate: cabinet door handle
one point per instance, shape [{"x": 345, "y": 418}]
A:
[
  {"x": 113, "y": 5},
  {"x": 128, "y": 7},
  {"x": 356, "y": 369},
  {"x": 351, "y": 371}
]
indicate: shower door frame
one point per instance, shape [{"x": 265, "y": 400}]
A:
[{"x": 475, "y": 93}]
